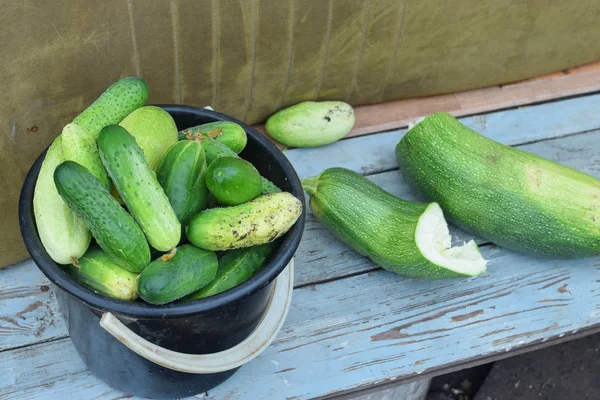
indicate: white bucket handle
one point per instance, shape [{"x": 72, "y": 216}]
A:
[{"x": 225, "y": 360}]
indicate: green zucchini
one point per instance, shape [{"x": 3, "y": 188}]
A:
[
  {"x": 113, "y": 228},
  {"x": 138, "y": 187},
  {"x": 515, "y": 199},
  {"x": 81, "y": 147},
  {"x": 259, "y": 221},
  {"x": 311, "y": 123},
  {"x": 229, "y": 133},
  {"x": 214, "y": 149},
  {"x": 235, "y": 267},
  {"x": 154, "y": 131},
  {"x": 101, "y": 273},
  {"x": 182, "y": 173},
  {"x": 171, "y": 277},
  {"x": 233, "y": 181},
  {"x": 118, "y": 101},
  {"x": 405, "y": 237},
  {"x": 63, "y": 234}
]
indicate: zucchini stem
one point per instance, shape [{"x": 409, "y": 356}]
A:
[{"x": 310, "y": 185}]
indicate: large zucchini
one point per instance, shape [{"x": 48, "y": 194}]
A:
[
  {"x": 513, "y": 198},
  {"x": 138, "y": 187},
  {"x": 405, "y": 237}
]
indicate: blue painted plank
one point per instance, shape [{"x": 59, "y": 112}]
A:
[
  {"x": 372, "y": 153},
  {"x": 371, "y": 329}
]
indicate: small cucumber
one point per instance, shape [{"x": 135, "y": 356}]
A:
[
  {"x": 173, "y": 276},
  {"x": 214, "y": 150},
  {"x": 311, "y": 123},
  {"x": 101, "y": 273},
  {"x": 113, "y": 105},
  {"x": 63, "y": 234},
  {"x": 229, "y": 133},
  {"x": 81, "y": 147},
  {"x": 233, "y": 181},
  {"x": 408, "y": 238},
  {"x": 138, "y": 187},
  {"x": 154, "y": 131},
  {"x": 235, "y": 267},
  {"x": 113, "y": 228},
  {"x": 182, "y": 173},
  {"x": 259, "y": 221}
]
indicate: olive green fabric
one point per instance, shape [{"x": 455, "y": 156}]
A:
[{"x": 249, "y": 58}]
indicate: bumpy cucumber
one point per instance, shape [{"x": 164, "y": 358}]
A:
[
  {"x": 259, "y": 221},
  {"x": 63, "y": 234},
  {"x": 101, "y": 273},
  {"x": 405, "y": 237},
  {"x": 182, "y": 173},
  {"x": 113, "y": 105},
  {"x": 138, "y": 187},
  {"x": 154, "y": 131},
  {"x": 515, "y": 199},
  {"x": 311, "y": 123},
  {"x": 171, "y": 277},
  {"x": 214, "y": 149},
  {"x": 235, "y": 267},
  {"x": 233, "y": 181},
  {"x": 229, "y": 133},
  {"x": 80, "y": 146},
  {"x": 113, "y": 228}
]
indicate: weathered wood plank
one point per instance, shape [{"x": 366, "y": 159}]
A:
[
  {"x": 373, "y": 153},
  {"x": 372, "y": 328},
  {"x": 320, "y": 257},
  {"x": 28, "y": 309}
]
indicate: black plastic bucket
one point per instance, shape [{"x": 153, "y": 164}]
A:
[{"x": 202, "y": 327}]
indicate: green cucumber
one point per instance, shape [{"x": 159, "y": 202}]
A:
[
  {"x": 229, "y": 133},
  {"x": 182, "y": 173},
  {"x": 171, "y": 277},
  {"x": 113, "y": 228},
  {"x": 405, "y": 237},
  {"x": 513, "y": 198},
  {"x": 154, "y": 131},
  {"x": 118, "y": 101},
  {"x": 138, "y": 187},
  {"x": 311, "y": 123},
  {"x": 63, "y": 234},
  {"x": 259, "y": 221},
  {"x": 233, "y": 181},
  {"x": 98, "y": 271},
  {"x": 235, "y": 267},
  {"x": 214, "y": 149},
  {"x": 81, "y": 147}
]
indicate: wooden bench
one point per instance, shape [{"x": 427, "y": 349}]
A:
[{"x": 354, "y": 328}]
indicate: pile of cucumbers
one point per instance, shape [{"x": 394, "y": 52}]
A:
[{"x": 159, "y": 203}]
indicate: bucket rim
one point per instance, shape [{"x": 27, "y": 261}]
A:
[{"x": 138, "y": 309}]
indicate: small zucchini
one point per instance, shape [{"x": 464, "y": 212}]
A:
[
  {"x": 118, "y": 101},
  {"x": 235, "y": 267},
  {"x": 233, "y": 181},
  {"x": 405, "y": 237},
  {"x": 64, "y": 235},
  {"x": 259, "y": 221},
  {"x": 229, "y": 133},
  {"x": 311, "y": 123},
  {"x": 181, "y": 174},
  {"x": 113, "y": 228},
  {"x": 101, "y": 273},
  {"x": 138, "y": 187},
  {"x": 81, "y": 147},
  {"x": 173, "y": 276}
]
